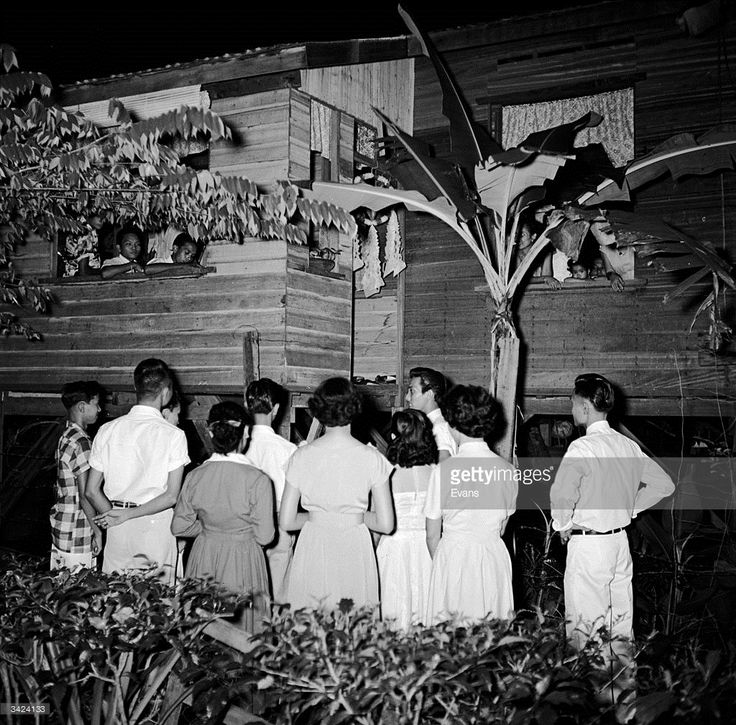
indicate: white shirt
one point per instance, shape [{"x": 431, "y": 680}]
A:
[
  {"x": 441, "y": 431},
  {"x": 115, "y": 261},
  {"x": 473, "y": 521},
  {"x": 270, "y": 452},
  {"x": 560, "y": 270},
  {"x": 136, "y": 452},
  {"x": 161, "y": 260},
  {"x": 597, "y": 483}
]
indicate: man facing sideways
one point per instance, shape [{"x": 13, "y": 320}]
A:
[
  {"x": 142, "y": 459},
  {"x": 426, "y": 388}
]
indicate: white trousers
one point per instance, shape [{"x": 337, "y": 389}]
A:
[
  {"x": 598, "y": 587},
  {"x": 64, "y": 560},
  {"x": 142, "y": 543}
]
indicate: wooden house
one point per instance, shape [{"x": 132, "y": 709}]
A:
[
  {"x": 296, "y": 112},
  {"x": 676, "y": 79}
]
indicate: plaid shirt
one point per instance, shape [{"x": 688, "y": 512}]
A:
[{"x": 70, "y": 530}]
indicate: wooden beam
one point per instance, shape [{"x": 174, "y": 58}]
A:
[
  {"x": 696, "y": 407},
  {"x": 251, "y": 358}
]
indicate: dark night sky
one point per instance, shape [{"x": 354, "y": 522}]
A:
[{"x": 72, "y": 41}]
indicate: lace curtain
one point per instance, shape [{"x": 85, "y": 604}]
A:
[{"x": 616, "y": 132}]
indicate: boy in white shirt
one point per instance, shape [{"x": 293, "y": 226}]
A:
[
  {"x": 142, "y": 459},
  {"x": 270, "y": 453}
]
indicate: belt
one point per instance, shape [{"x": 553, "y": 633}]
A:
[
  {"x": 590, "y": 532},
  {"x": 124, "y": 505},
  {"x": 335, "y": 519}
]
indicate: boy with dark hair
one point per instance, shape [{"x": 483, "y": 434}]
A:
[
  {"x": 75, "y": 539},
  {"x": 128, "y": 247},
  {"x": 142, "y": 459},
  {"x": 426, "y": 388},
  {"x": 270, "y": 452}
]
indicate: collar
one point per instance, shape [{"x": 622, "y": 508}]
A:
[
  {"x": 76, "y": 426},
  {"x": 435, "y": 415},
  {"x": 231, "y": 457},
  {"x": 145, "y": 411},
  {"x": 472, "y": 446},
  {"x": 600, "y": 426},
  {"x": 260, "y": 430}
]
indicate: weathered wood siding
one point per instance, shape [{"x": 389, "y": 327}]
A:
[
  {"x": 259, "y": 148},
  {"x": 376, "y": 340},
  {"x": 318, "y": 328},
  {"x": 640, "y": 343},
  {"x": 102, "y": 329},
  {"x": 356, "y": 89},
  {"x": 446, "y": 322}
]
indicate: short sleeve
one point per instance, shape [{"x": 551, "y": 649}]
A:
[
  {"x": 433, "y": 502},
  {"x": 294, "y": 470},
  {"x": 96, "y": 455},
  {"x": 178, "y": 453},
  {"x": 382, "y": 469},
  {"x": 80, "y": 457}
]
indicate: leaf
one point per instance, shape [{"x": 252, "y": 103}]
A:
[
  {"x": 436, "y": 176},
  {"x": 469, "y": 141},
  {"x": 679, "y": 156},
  {"x": 654, "y": 705},
  {"x": 499, "y": 185}
]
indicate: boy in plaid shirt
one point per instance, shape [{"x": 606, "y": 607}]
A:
[{"x": 75, "y": 539}]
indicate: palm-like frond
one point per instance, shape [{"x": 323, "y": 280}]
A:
[
  {"x": 471, "y": 143},
  {"x": 680, "y": 156}
]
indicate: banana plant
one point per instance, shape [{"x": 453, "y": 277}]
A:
[{"x": 480, "y": 193}]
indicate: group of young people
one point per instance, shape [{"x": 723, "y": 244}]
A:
[
  {"x": 110, "y": 253},
  {"x": 377, "y": 529}
]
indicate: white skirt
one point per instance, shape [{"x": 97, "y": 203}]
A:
[{"x": 470, "y": 580}]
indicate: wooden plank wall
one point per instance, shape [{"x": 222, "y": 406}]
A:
[
  {"x": 259, "y": 149},
  {"x": 630, "y": 336},
  {"x": 318, "y": 328},
  {"x": 375, "y": 345},
  {"x": 34, "y": 258},
  {"x": 356, "y": 89},
  {"x": 446, "y": 322},
  {"x": 103, "y": 329}
]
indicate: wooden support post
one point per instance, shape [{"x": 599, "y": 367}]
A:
[{"x": 251, "y": 358}]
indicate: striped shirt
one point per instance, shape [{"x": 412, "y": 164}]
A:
[{"x": 70, "y": 530}]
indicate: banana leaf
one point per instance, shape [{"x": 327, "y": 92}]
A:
[
  {"x": 430, "y": 176},
  {"x": 555, "y": 141},
  {"x": 680, "y": 156},
  {"x": 470, "y": 142},
  {"x": 499, "y": 185}
]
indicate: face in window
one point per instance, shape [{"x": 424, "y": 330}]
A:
[
  {"x": 578, "y": 271},
  {"x": 185, "y": 253},
  {"x": 598, "y": 269},
  {"x": 130, "y": 246}
]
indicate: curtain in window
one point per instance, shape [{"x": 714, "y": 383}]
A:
[{"x": 616, "y": 132}]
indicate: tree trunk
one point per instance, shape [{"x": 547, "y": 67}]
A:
[{"x": 504, "y": 378}]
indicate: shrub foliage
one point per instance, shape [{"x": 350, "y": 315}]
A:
[{"x": 109, "y": 648}]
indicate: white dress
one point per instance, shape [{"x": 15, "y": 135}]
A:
[
  {"x": 471, "y": 570},
  {"x": 404, "y": 564}
]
